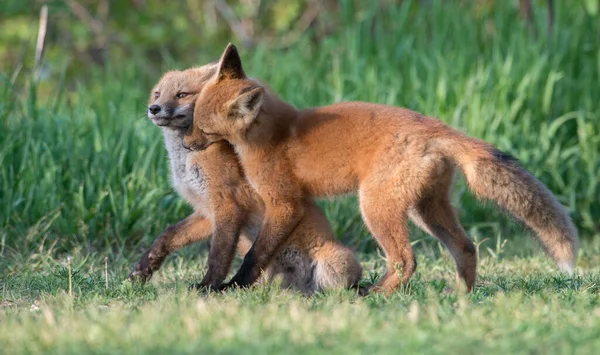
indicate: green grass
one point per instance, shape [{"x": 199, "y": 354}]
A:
[
  {"x": 520, "y": 306},
  {"x": 83, "y": 173}
]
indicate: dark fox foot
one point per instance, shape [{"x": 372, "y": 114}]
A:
[
  {"x": 362, "y": 290},
  {"x": 241, "y": 280},
  {"x": 228, "y": 286},
  {"x": 233, "y": 285},
  {"x": 148, "y": 264},
  {"x": 141, "y": 276},
  {"x": 141, "y": 273},
  {"x": 203, "y": 288}
]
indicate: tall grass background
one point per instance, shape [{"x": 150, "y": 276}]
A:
[{"x": 83, "y": 171}]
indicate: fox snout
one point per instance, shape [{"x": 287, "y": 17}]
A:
[
  {"x": 161, "y": 111},
  {"x": 154, "y": 109},
  {"x": 167, "y": 115}
]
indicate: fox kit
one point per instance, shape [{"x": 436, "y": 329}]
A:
[
  {"x": 224, "y": 204},
  {"x": 399, "y": 162}
]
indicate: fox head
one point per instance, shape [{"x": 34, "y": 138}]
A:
[
  {"x": 227, "y": 106},
  {"x": 172, "y": 99}
]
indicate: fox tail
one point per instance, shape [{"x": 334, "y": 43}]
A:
[{"x": 498, "y": 177}]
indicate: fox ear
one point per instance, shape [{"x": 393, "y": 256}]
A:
[
  {"x": 247, "y": 104},
  {"x": 230, "y": 64}
]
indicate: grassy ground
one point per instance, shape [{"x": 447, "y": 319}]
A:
[
  {"x": 83, "y": 174},
  {"x": 520, "y": 306}
]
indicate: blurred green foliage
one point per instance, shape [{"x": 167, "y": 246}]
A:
[
  {"x": 81, "y": 167},
  {"x": 149, "y": 32}
]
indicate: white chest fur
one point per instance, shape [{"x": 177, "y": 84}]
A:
[{"x": 187, "y": 178}]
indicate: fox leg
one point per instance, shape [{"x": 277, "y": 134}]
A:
[
  {"x": 387, "y": 196},
  {"x": 386, "y": 219},
  {"x": 279, "y": 221},
  {"x": 228, "y": 222},
  {"x": 435, "y": 215},
  {"x": 192, "y": 229}
]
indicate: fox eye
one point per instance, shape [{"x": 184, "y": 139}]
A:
[
  {"x": 156, "y": 95},
  {"x": 181, "y": 95}
]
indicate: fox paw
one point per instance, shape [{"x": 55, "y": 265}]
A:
[
  {"x": 362, "y": 290},
  {"x": 232, "y": 285},
  {"x": 228, "y": 286},
  {"x": 139, "y": 276},
  {"x": 203, "y": 288},
  {"x": 141, "y": 273}
]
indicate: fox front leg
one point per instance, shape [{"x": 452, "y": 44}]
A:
[
  {"x": 220, "y": 257},
  {"x": 192, "y": 229},
  {"x": 279, "y": 222},
  {"x": 228, "y": 220}
]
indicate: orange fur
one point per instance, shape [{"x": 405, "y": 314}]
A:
[
  {"x": 399, "y": 162},
  {"x": 225, "y": 205}
]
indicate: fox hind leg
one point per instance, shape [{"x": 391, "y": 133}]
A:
[
  {"x": 386, "y": 219},
  {"x": 387, "y": 197},
  {"x": 437, "y": 218},
  {"x": 434, "y": 214}
]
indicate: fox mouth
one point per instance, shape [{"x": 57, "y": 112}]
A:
[
  {"x": 161, "y": 121},
  {"x": 175, "y": 121}
]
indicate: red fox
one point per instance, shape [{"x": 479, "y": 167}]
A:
[
  {"x": 399, "y": 162},
  {"x": 224, "y": 204}
]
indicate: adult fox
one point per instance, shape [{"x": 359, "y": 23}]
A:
[
  {"x": 400, "y": 163},
  {"x": 225, "y": 205}
]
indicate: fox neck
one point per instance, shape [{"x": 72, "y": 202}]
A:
[
  {"x": 177, "y": 152},
  {"x": 173, "y": 135},
  {"x": 273, "y": 124}
]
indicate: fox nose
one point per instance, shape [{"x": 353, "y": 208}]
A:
[
  {"x": 154, "y": 109},
  {"x": 186, "y": 145}
]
